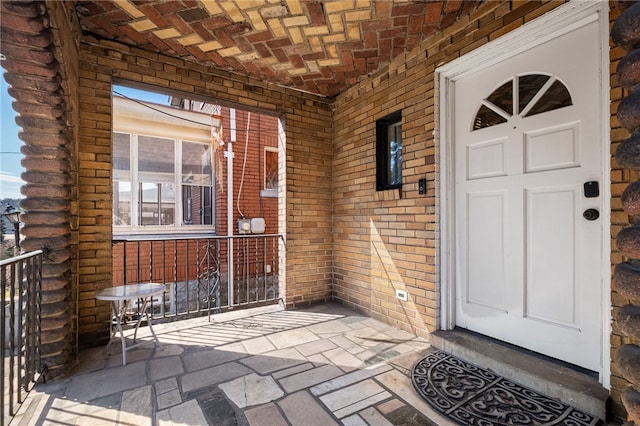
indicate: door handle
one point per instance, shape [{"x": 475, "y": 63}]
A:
[{"x": 591, "y": 214}]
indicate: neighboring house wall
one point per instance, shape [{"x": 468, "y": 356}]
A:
[
  {"x": 248, "y": 185},
  {"x": 305, "y": 195},
  {"x": 263, "y": 132}
]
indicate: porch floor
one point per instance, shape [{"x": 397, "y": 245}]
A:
[{"x": 325, "y": 365}]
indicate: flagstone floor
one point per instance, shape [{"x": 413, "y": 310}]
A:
[{"x": 325, "y": 365}]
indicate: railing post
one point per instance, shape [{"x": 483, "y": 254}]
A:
[
  {"x": 21, "y": 274},
  {"x": 20, "y": 324},
  {"x": 12, "y": 343},
  {"x": 3, "y": 300},
  {"x": 230, "y": 283}
]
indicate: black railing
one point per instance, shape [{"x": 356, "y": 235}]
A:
[
  {"x": 21, "y": 279},
  {"x": 196, "y": 272}
]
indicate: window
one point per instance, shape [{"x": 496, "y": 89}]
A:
[
  {"x": 156, "y": 181},
  {"x": 389, "y": 152},
  {"x": 121, "y": 179},
  {"x": 271, "y": 168},
  {"x": 196, "y": 184},
  {"x": 147, "y": 170},
  {"x": 536, "y": 93}
]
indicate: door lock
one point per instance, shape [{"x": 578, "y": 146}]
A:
[
  {"x": 591, "y": 214},
  {"x": 591, "y": 189}
]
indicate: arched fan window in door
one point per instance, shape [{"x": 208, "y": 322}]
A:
[{"x": 531, "y": 94}]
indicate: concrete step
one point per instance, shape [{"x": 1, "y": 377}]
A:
[{"x": 548, "y": 377}]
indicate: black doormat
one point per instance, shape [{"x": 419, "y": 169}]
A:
[{"x": 470, "y": 395}]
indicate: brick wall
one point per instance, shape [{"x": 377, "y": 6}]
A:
[
  {"x": 263, "y": 132},
  {"x": 308, "y": 154},
  {"x": 386, "y": 240}
]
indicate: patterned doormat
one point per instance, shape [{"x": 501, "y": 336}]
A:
[{"x": 470, "y": 395}]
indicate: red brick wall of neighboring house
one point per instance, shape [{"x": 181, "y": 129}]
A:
[{"x": 263, "y": 132}]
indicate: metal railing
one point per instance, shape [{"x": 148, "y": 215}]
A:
[
  {"x": 197, "y": 272},
  {"x": 21, "y": 279}
]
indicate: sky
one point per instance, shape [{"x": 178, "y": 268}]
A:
[{"x": 10, "y": 155}]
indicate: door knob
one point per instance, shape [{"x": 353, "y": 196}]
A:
[{"x": 591, "y": 214}]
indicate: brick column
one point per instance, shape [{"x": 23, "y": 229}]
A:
[
  {"x": 33, "y": 74},
  {"x": 626, "y": 33}
]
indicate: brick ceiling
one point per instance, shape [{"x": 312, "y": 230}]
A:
[{"x": 321, "y": 47}]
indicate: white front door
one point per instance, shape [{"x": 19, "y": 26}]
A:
[{"x": 528, "y": 165}]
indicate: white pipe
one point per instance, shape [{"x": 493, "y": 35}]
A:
[{"x": 230, "y": 224}]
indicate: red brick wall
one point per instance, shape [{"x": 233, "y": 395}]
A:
[{"x": 263, "y": 132}]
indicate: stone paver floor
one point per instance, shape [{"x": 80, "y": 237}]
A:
[{"x": 324, "y": 365}]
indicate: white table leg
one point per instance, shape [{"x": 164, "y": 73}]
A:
[
  {"x": 119, "y": 312},
  {"x": 144, "y": 311}
]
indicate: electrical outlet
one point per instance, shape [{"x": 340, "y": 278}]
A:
[{"x": 402, "y": 295}]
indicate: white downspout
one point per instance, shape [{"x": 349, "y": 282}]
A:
[{"x": 229, "y": 155}]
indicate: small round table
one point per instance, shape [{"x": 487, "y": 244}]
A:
[{"x": 125, "y": 293}]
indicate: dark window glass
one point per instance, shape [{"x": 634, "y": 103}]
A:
[
  {"x": 157, "y": 203},
  {"x": 196, "y": 205},
  {"x": 270, "y": 169},
  {"x": 556, "y": 97},
  {"x": 156, "y": 159},
  {"x": 121, "y": 155},
  {"x": 121, "y": 179},
  {"x": 502, "y": 97},
  {"x": 197, "y": 179},
  {"x": 389, "y": 152},
  {"x": 487, "y": 118},
  {"x": 528, "y": 86}
]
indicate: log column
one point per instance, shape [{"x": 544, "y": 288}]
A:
[
  {"x": 626, "y": 33},
  {"x": 35, "y": 80}
]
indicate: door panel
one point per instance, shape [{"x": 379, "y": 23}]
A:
[
  {"x": 551, "y": 254},
  {"x": 487, "y": 159},
  {"x": 486, "y": 221},
  {"x": 552, "y": 148},
  {"x": 528, "y": 265}
]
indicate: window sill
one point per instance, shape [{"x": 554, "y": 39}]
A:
[
  {"x": 269, "y": 193},
  {"x": 161, "y": 235}
]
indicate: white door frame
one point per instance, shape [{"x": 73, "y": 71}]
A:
[{"x": 559, "y": 21}]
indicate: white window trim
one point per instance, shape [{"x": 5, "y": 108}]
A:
[{"x": 178, "y": 227}]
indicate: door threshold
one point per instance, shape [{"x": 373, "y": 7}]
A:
[{"x": 571, "y": 385}]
